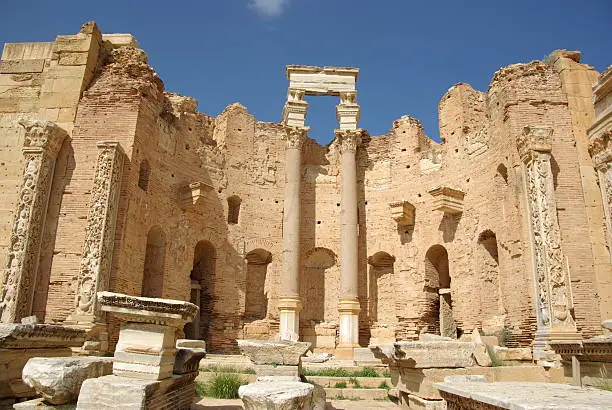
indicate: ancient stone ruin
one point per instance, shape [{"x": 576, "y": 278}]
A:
[{"x": 113, "y": 184}]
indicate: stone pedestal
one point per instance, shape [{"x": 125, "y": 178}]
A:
[{"x": 145, "y": 356}]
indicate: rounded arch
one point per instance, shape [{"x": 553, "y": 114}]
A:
[
  {"x": 143, "y": 175},
  {"x": 258, "y": 256},
  {"x": 436, "y": 267},
  {"x": 381, "y": 259},
  {"x": 154, "y": 261},
  {"x": 204, "y": 258},
  {"x": 320, "y": 258}
]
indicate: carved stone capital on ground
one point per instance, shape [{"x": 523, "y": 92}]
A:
[
  {"x": 349, "y": 140},
  {"x": 166, "y": 312},
  {"x": 42, "y": 136},
  {"x": 295, "y": 136},
  {"x": 534, "y": 139}
]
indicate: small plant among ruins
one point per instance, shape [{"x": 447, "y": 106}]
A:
[
  {"x": 340, "y": 385},
  {"x": 329, "y": 372},
  {"x": 222, "y": 386},
  {"x": 225, "y": 369},
  {"x": 384, "y": 385},
  {"x": 367, "y": 372},
  {"x": 604, "y": 380},
  {"x": 355, "y": 383}
]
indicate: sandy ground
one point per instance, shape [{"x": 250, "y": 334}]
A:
[{"x": 207, "y": 403}]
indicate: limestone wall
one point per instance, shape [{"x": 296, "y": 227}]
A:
[{"x": 201, "y": 201}]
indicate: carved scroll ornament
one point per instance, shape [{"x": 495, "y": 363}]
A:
[{"x": 42, "y": 142}]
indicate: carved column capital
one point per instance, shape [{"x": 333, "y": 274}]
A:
[
  {"x": 600, "y": 148},
  {"x": 295, "y": 136},
  {"x": 349, "y": 139},
  {"x": 42, "y": 137},
  {"x": 534, "y": 140}
]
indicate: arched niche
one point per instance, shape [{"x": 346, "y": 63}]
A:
[
  {"x": 382, "y": 292},
  {"x": 487, "y": 262},
  {"x": 319, "y": 286},
  {"x": 256, "y": 299}
]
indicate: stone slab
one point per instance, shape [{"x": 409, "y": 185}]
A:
[
  {"x": 58, "y": 380},
  {"x": 278, "y": 353},
  {"x": 112, "y": 392},
  {"x": 420, "y": 382},
  {"x": 525, "y": 396},
  {"x": 39, "y": 404},
  {"x": 18, "y": 336},
  {"x": 21, "y": 66}
]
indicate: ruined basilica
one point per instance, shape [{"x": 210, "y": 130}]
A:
[{"x": 111, "y": 183}]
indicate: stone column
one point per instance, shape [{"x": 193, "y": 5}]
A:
[
  {"x": 552, "y": 287},
  {"x": 348, "y": 305},
  {"x": 94, "y": 273},
  {"x": 290, "y": 303},
  {"x": 43, "y": 140}
]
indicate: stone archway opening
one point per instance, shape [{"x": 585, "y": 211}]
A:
[
  {"x": 202, "y": 291},
  {"x": 438, "y": 287}
]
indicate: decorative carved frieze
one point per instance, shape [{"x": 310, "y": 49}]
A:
[
  {"x": 28, "y": 336},
  {"x": 43, "y": 140},
  {"x": 551, "y": 278},
  {"x": 402, "y": 212},
  {"x": 349, "y": 140},
  {"x": 94, "y": 273},
  {"x": 447, "y": 200}
]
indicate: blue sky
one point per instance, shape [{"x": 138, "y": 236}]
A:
[{"x": 409, "y": 52}]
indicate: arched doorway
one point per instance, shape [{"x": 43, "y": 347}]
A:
[
  {"x": 155, "y": 258},
  {"x": 438, "y": 285},
  {"x": 256, "y": 299},
  {"x": 202, "y": 290}
]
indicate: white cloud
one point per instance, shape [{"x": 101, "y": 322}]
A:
[{"x": 269, "y": 8}]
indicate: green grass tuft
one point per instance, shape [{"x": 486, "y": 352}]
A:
[
  {"x": 384, "y": 385},
  {"x": 340, "y": 385},
  {"x": 221, "y": 386},
  {"x": 329, "y": 372},
  {"x": 225, "y": 369}
]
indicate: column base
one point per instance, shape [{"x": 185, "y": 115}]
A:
[
  {"x": 289, "y": 312},
  {"x": 349, "y": 309},
  {"x": 543, "y": 354}
]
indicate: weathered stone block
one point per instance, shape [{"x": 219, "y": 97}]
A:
[
  {"x": 21, "y": 66},
  {"x": 277, "y": 396},
  {"x": 282, "y": 352},
  {"x": 59, "y": 380}
]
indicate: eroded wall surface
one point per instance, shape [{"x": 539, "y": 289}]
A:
[{"x": 200, "y": 208}]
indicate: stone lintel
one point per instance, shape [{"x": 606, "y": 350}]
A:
[
  {"x": 279, "y": 353},
  {"x": 20, "y": 336},
  {"x": 322, "y": 81}
]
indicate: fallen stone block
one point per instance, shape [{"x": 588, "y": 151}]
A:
[{"x": 58, "y": 380}]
